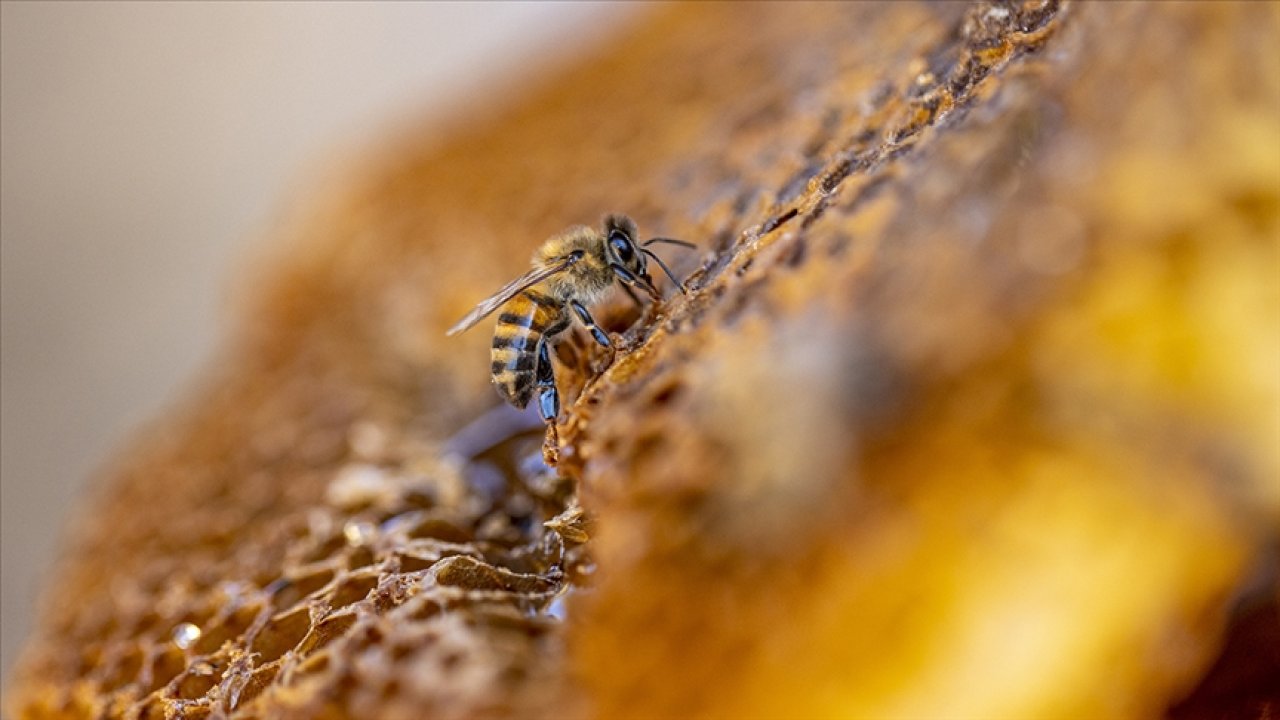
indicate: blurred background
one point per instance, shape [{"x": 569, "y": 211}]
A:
[{"x": 142, "y": 149}]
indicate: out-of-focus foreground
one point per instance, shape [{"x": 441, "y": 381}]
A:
[{"x": 971, "y": 410}]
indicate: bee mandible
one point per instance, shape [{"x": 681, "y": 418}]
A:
[{"x": 570, "y": 272}]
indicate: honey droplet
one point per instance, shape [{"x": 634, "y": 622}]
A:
[{"x": 186, "y": 634}]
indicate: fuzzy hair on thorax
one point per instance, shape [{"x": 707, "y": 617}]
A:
[{"x": 590, "y": 277}]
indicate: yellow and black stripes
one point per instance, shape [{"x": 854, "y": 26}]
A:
[{"x": 524, "y": 321}]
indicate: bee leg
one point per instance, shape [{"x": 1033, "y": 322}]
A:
[
  {"x": 631, "y": 279},
  {"x": 599, "y": 335},
  {"x": 548, "y": 404}
]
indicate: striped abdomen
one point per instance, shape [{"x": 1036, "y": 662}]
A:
[{"x": 522, "y": 322}]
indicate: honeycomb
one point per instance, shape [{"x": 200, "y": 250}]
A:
[
  {"x": 422, "y": 578},
  {"x": 969, "y": 411}
]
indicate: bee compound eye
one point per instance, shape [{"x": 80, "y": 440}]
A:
[{"x": 621, "y": 246}]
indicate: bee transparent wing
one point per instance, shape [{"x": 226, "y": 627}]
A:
[{"x": 508, "y": 291}]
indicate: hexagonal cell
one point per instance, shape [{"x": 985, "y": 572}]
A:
[
  {"x": 294, "y": 589},
  {"x": 325, "y": 550},
  {"x": 281, "y": 634},
  {"x": 316, "y": 663},
  {"x": 165, "y": 666},
  {"x": 414, "y": 563},
  {"x": 360, "y": 557},
  {"x": 231, "y": 626},
  {"x": 197, "y": 681},
  {"x": 422, "y": 607},
  {"x": 261, "y": 678},
  {"x": 328, "y": 630},
  {"x": 353, "y": 589}
]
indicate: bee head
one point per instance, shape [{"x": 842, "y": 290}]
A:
[
  {"x": 620, "y": 244},
  {"x": 628, "y": 257}
]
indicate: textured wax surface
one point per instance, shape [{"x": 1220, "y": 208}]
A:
[{"x": 970, "y": 410}]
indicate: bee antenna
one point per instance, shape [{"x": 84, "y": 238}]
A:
[
  {"x": 670, "y": 241},
  {"x": 665, "y": 269}
]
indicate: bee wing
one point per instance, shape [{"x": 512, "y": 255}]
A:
[{"x": 508, "y": 291}]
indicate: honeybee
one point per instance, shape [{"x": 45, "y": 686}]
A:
[{"x": 570, "y": 271}]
